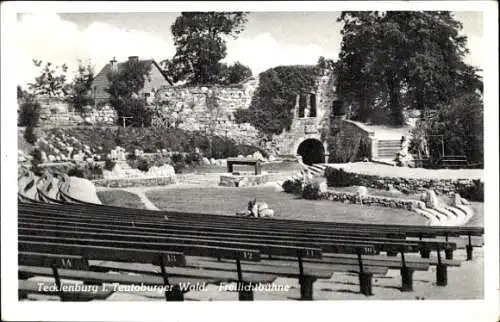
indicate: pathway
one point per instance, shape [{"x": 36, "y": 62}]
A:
[
  {"x": 383, "y": 170},
  {"x": 149, "y": 205}
]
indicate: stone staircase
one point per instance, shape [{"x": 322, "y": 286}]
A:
[
  {"x": 446, "y": 216},
  {"x": 317, "y": 169},
  {"x": 387, "y": 150}
]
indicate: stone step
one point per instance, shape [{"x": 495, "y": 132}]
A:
[
  {"x": 389, "y": 141},
  {"x": 390, "y": 148}
]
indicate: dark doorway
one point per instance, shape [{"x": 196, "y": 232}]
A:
[{"x": 312, "y": 151}]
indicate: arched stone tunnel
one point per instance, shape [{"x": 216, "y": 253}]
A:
[{"x": 311, "y": 151}]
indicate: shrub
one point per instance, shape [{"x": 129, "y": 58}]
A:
[
  {"x": 178, "y": 162},
  {"x": 340, "y": 178},
  {"x": 157, "y": 160},
  {"x": 193, "y": 158},
  {"x": 177, "y": 158},
  {"x": 109, "y": 165},
  {"x": 472, "y": 193},
  {"x": 311, "y": 191},
  {"x": 29, "y": 113},
  {"x": 94, "y": 171},
  {"x": 143, "y": 165},
  {"x": 37, "y": 155},
  {"x": 90, "y": 171},
  {"x": 292, "y": 186},
  {"x": 29, "y": 135},
  {"x": 76, "y": 172}
]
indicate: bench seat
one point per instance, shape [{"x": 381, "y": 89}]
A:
[{"x": 102, "y": 278}]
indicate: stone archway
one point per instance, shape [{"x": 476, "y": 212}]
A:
[{"x": 311, "y": 151}]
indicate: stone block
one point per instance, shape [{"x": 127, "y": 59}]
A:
[{"x": 43, "y": 156}]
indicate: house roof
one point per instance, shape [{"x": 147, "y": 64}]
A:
[{"x": 101, "y": 79}]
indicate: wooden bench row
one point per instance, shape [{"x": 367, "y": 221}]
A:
[
  {"x": 303, "y": 249},
  {"x": 64, "y": 218},
  {"x": 384, "y": 244},
  {"x": 254, "y": 225}
]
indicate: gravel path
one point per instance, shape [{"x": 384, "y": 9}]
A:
[
  {"x": 383, "y": 170},
  {"x": 149, "y": 205}
]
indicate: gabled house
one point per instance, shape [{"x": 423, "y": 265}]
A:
[{"x": 156, "y": 79}]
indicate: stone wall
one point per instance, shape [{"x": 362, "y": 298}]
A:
[
  {"x": 231, "y": 180},
  {"x": 56, "y": 112},
  {"x": 348, "y": 142},
  {"x": 135, "y": 182},
  {"x": 190, "y": 105}
]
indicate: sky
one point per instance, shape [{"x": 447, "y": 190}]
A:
[{"x": 269, "y": 39}]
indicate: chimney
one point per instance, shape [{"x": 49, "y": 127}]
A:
[
  {"x": 134, "y": 59},
  {"x": 114, "y": 65}
]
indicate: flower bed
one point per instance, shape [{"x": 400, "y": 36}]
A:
[
  {"x": 348, "y": 197},
  {"x": 318, "y": 191}
]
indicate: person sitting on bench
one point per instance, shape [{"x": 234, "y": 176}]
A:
[{"x": 259, "y": 209}]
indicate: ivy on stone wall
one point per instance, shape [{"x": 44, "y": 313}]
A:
[{"x": 271, "y": 109}]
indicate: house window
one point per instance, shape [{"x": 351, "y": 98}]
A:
[{"x": 312, "y": 104}]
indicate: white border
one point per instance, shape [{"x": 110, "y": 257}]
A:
[{"x": 477, "y": 310}]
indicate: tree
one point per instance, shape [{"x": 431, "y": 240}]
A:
[
  {"x": 326, "y": 63},
  {"x": 81, "y": 88},
  {"x": 172, "y": 70},
  {"x": 200, "y": 40},
  {"x": 271, "y": 109},
  {"x": 51, "y": 82},
  {"x": 392, "y": 60},
  {"x": 233, "y": 74},
  {"x": 459, "y": 125},
  {"x": 125, "y": 87}
]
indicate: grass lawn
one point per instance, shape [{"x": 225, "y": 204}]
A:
[
  {"x": 120, "y": 198},
  {"x": 226, "y": 201}
]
